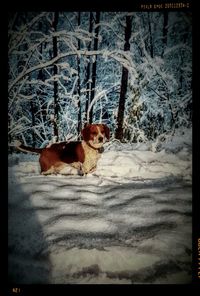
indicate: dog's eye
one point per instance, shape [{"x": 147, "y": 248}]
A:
[{"x": 94, "y": 133}]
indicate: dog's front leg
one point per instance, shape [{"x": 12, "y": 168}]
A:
[
  {"x": 50, "y": 171},
  {"x": 81, "y": 170}
]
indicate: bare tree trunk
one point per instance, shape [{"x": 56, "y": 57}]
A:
[
  {"x": 150, "y": 36},
  {"x": 33, "y": 123},
  {"x": 88, "y": 88},
  {"x": 55, "y": 72},
  {"x": 41, "y": 93},
  {"x": 124, "y": 83},
  {"x": 79, "y": 127},
  {"x": 94, "y": 65},
  {"x": 165, "y": 30}
]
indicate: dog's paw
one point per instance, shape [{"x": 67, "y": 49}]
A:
[{"x": 80, "y": 173}]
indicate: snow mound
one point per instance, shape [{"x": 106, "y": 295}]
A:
[
  {"x": 181, "y": 140},
  {"x": 144, "y": 165}
]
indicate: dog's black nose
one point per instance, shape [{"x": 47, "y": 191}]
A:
[{"x": 100, "y": 139}]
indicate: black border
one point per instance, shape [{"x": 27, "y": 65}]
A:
[
  {"x": 96, "y": 5},
  {"x": 196, "y": 146},
  {"x": 125, "y": 5}
]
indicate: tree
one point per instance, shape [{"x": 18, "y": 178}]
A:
[
  {"x": 150, "y": 36},
  {"x": 88, "y": 70},
  {"x": 94, "y": 65},
  {"x": 124, "y": 82},
  {"x": 165, "y": 30},
  {"x": 32, "y": 109},
  {"x": 79, "y": 127},
  {"x": 55, "y": 72}
]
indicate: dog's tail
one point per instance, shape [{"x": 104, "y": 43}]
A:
[{"x": 23, "y": 148}]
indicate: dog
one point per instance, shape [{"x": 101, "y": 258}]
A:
[{"x": 75, "y": 157}]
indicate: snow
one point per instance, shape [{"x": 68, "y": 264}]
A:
[{"x": 129, "y": 222}]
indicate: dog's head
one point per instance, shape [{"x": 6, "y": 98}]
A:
[{"x": 96, "y": 134}]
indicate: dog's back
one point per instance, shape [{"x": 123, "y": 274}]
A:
[{"x": 60, "y": 153}]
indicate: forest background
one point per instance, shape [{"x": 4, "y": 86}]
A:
[{"x": 130, "y": 70}]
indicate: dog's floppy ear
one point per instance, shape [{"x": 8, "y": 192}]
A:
[
  {"x": 86, "y": 132},
  {"x": 107, "y": 131}
]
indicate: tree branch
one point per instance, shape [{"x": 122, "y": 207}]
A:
[{"x": 60, "y": 56}]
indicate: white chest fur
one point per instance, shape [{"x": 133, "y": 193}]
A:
[{"x": 91, "y": 158}]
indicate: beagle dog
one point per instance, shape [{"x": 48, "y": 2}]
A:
[{"x": 78, "y": 157}]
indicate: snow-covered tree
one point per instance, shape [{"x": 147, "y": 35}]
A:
[{"x": 66, "y": 68}]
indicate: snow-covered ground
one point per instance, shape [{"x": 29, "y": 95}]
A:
[{"x": 129, "y": 222}]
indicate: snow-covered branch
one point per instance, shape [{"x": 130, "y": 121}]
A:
[{"x": 119, "y": 56}]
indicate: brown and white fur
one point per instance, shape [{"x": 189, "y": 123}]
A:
[{"x": 78, "y": 157}]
